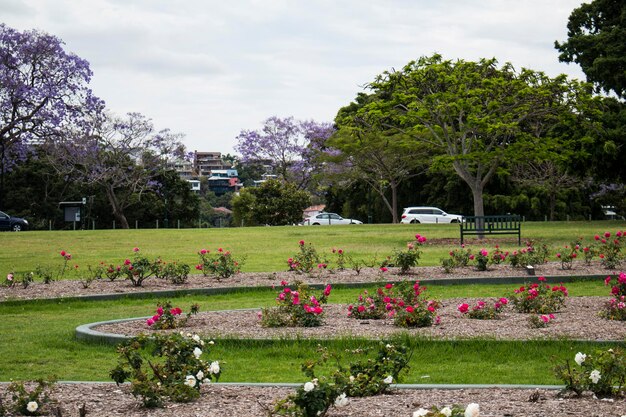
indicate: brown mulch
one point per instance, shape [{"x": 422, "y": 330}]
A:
[{"x": 577, "y": 320}]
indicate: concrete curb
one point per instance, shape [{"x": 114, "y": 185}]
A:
[{"x": 85, "y": 332}]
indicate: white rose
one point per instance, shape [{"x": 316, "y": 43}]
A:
[
  {"x": 388, "y": 380},
  {"x": 421, "y": 412},
  {"x": 308, "y": 387},
  {"x": 341, "y": 401},
  {"x": 595, "y": 376},
  {"x": 446, "y": 411},
  {"x": 200, "y": 375},
  {"x": 197, "y": 352},
  {"x": 214, "y": 368},
  {"x": 32, "y": 406},
  {"x": 190, "y": 380},
  {"x": 580, "y": 358},
  {"x": 196, "y": 338},
  {"x": 206, "y": 381},
  {"x": 472, "y": 410},
  {"x": 352, "y": 378}
]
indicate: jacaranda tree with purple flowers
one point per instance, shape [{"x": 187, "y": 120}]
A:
[
  {"x": 289, "y": 145},
  {"x": 43, "y": 89},
  {"x": 121, "y": 156}
]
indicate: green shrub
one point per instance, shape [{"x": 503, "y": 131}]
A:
[
  {"x": 603, "y": 373},
  {"x": 538, "y": 298},
  {"x": 164, "y": 367}
]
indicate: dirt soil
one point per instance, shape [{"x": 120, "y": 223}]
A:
[{"x": 577, "y": 320}]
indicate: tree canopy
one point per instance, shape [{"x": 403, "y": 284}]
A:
[
  {"x": 273, "y": 203},
  {"x": 286, "y": 144},
  {"x": 43, "y": 90},
  {"x": 474, "y": 116},
  {"x": 596, "y": 40}
]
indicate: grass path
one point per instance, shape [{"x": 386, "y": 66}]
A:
[{"x": 37, "y": 340}]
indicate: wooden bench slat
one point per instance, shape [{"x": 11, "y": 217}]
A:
[{"x": 491, "y": 225}]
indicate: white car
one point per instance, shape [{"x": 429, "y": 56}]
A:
[
  {"x": 328, "y": 219},
  {"x": 428, "y": 215}
]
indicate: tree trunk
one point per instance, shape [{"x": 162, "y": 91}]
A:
[
  {"x": 118, "y": 211},
  {"x": 394, "y": 202},
  {"x": 479, "y": 209}
]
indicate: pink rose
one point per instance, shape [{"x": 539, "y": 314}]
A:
[
  {"x": 327, "y": 290},
  {"x": 463, "y": 308}
]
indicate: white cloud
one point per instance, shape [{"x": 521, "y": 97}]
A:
[{"x": 212, "y": 68}]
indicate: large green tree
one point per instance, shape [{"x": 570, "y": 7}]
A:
[
  {"x": 596, "y": 40},
  {"x": 274, "y": 203},
  {"x": 383, "y": 159},
  {"x": 476, "y": 116}
]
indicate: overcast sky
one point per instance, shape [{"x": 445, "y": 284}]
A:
[{"x": 209, "y": 69}]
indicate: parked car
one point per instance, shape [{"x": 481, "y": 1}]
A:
[
  {"x": 428, "y": 215},
  {"x": 15, "y": 224},
  {"x": 328, "y": 219}
]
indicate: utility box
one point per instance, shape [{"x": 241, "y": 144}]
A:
[{"x": 73, "y": 211}]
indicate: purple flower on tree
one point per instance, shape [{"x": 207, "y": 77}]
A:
[{"x": 44, "y": 90}]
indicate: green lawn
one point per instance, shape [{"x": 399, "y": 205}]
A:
[
  {"x": 37, "y": 337},
  {"x": 38, "y": 340},
  {"x": 265, "y": 248}
]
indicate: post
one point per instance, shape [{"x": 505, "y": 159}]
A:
[
  {"x": 113, "y": 224},
  {"x": 50, "y": 225},
  {"x": 157, "y": 223},
  {"x": 136, "y": 224},
  {"x": 545, "y": 218},
  {"x": 178, "y": 221},
  {"x": 93, "y": 224},
  {"x": 74, "y": 225}
]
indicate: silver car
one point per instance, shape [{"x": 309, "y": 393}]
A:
[
  {"x": 428, "y": 215},
  {"x": 328, "y": 219}
]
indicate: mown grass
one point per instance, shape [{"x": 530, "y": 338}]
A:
[
  {"x": 38, "y": 340},
  {"x": 265, "y": 248}
]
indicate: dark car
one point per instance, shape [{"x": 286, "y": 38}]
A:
[{"x": 15, "y": 224}]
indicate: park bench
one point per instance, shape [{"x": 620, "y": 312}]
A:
[{"x": 492, "y": 225}]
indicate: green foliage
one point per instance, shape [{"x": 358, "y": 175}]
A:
[
  {"x": 164, "y": 367},
  {"x": 274, "y": 203},
  {"x": 24, "y": 279},
  {"x": 472, "y": 409},
  {"x": 169, "y": 317},
  {"x": 472, "y": 116},
  {"x": 220, "y": 264},
  {"x": 603, "y": 373},
  {"x": 412, "y": 309},
  {"x": 31, "y": 402},
  {"x": 297, "y": 308},
  {"x": 539, "y": 298},
  {"x": 306, "y": 260},
  {"x": 533, "y": 254},
  {"x": 138, "y": 270},
  {"x": 406, "y": 259},
  {"x": 484, "y": 311},
  {"x": 174, "y": 272},
  {"x": 595, "y": 41},
  {"x": 610, "y": 249},
  {"x": 362, "y": 378}
]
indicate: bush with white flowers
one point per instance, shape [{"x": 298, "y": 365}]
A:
[
  {"x": 30, "y": 398},
  {"x": 365, "y": 377},
  {"x": 472, "y": 410},
  {"x": 603, "y": 373},
  {"x": 165, "y": 367}
]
